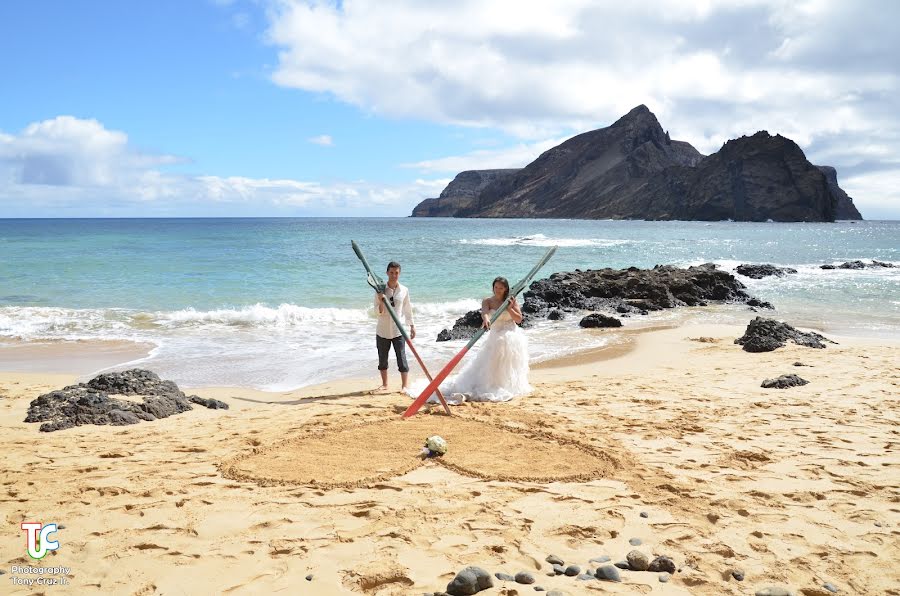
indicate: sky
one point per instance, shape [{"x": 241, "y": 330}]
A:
[{"x": 207, "y": 108}]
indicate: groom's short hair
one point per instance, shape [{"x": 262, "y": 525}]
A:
[{"x": 393, "y": 265}]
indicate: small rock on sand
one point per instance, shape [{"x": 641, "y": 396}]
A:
[
  {"x": 608, "y": 573},
  {"x": 523, "y": 577},
  {"x": 638, "y": 561},
  {"x": 572, "y": 570},
  {"x": 664, "y": 577},
  {"x": 662, "y": 563},
  {"x": 554, "y": 560},
  {"x": 635, "y": 542}
]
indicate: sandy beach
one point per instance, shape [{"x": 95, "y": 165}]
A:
[{"x": 320, "y": 490}]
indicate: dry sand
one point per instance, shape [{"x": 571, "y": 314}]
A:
[{"x": 796, "y": 487}]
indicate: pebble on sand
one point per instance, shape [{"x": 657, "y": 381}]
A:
[
  {"x": 470, "y": 580},
  {"x": 644, "y": 514},
  {"x": 572, "y": 570},
  {"x": 831, "y": 588},
  {"x": 638, "y": 561},
  {"x": 737, "y": 574},
  {"x": 635, "y": 542},
  {"x": 504, "y": 577},
  {"x": 309, "y": 577},
  {"x": 608, "y": 573},
  {"x": 603, "y": 559},
  {"x": 662, "y": 563},
  {"x": 554, "y": 560},
  {"x": 523, "y": 577},
  {"x": 664, "y": 577}
]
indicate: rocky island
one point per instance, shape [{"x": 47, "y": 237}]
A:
[{"x": 634, "y": 170}]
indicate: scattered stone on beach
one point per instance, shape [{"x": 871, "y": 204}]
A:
[
  {"x": 761, "y": 271},
  {"x": 558, "y": 569},
  {"x": 801, "y": 364},
  {"x": 765, "y": 335},
  {"x": 737, "y": 574},
  {"x": 831, "y": 588},
  {"x": 555, "y": 593},
  {"x": 645, "y": 514},
  {"x": 309, "y": 577},
  {"x": 602, "y": 559},
  {"x": 664, "y": 577},
  {"x": 774, "y": 591},
  {"x": 539, "y": 589},
  {"x": 608, "y": 573},
  {"x": 783, "y": 382},
  {"x": 713, "y": 517},
  {"x": 470, "y": 580},
  {"x": 638, "y": 561},
  {"x": 622, "y": 565},
  {"x": 597, "y": 320},
  {"x": 585, "y": 576},
  {"x": 556, "y": 315},
  {"x": 90, "y": 403},
  {"x": 572, "y": 570},
  {"x": 635, "y": 542},
  {"x": 554, "y": 560},
  {"x": 662, "y": 563},
  {"x": 523, "y": 577},
  {"x": 208, "y": 402},
  {"x": 504, "y": 577}
]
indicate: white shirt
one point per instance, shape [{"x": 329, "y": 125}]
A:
[{"x": 402, "y": 306}]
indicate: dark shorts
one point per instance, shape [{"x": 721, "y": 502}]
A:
[{"x": 384, "y": 347}]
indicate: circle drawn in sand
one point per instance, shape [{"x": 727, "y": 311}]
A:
[{"x": 355, "y": 455}]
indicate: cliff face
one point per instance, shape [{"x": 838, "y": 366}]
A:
[
  {"x": 752, "y": 178},
  {"x": 460, "y": 193},
  {"x": 633, "y": 170},
  {"x": 845, "y": 207},
  {"x": 582, "y": 175}
]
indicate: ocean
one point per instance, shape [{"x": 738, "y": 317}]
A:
[{"x": 278, "y": 304}]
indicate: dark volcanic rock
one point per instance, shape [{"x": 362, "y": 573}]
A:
[
  {"x": 90, "y": 403},
  {"x": 844, "y": 207},
  {"x": 633, "y": 170},
  {"x": 464, "y": 327},
  {"x": 761, "y": 271},
  {"x": 783, "y": 382},
  {"x": 633, "y": 289},
  {"x": 460, "y": 193},
  {"x": 625, "y": 291},
  {"x": 857, "y": 265},
  {"x": 765, "y": 335},
  {"x": 470, "y": 580},
  {"x": 662, "y": 563},
  {"x": 212, "y": 404},
  {"x": 598, "y": 320}
]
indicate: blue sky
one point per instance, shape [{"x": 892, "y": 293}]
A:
[{"x": 278, "y": 107}]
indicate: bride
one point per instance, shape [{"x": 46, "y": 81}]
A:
[{"x": 499, "y": 371}]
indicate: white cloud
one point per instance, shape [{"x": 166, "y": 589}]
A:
[
  {"x": 74, "y": 167},
  {"x": 517, "y": 156},
  {"x": 324, "y": 140},
  {"x": 811, "y": 70}
]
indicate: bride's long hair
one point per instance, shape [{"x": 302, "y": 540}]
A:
[{"x": 505, "y": 283}]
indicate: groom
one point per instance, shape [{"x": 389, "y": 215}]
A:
[{"x": 386, "y": 332}]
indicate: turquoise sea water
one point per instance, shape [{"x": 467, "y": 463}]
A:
[{"x": 280, "y": 303}]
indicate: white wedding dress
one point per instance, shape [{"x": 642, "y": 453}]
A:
[{"x": 497, "y": 372}]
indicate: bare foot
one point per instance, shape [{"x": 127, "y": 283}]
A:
[{"x": 382, "y": 389}]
